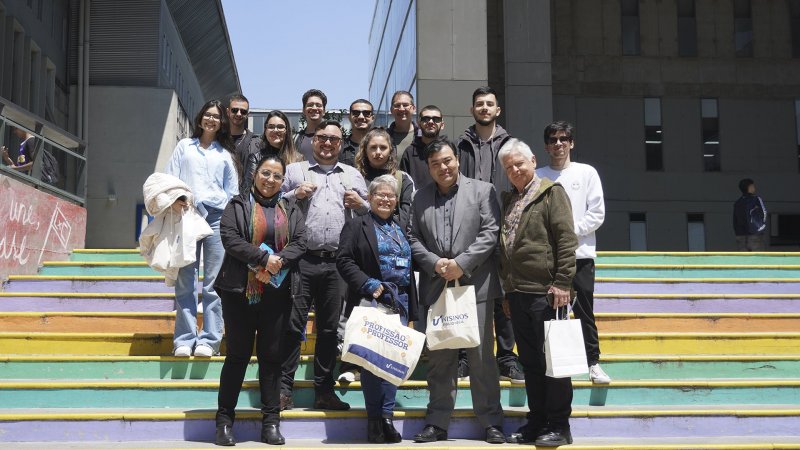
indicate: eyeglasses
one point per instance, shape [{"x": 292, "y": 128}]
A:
[
  {"x": 314, "y": 105},
  {"x": 552, "y": 139},
  {"x": 273, "y": 127},
  {"x": 383, "y": 196},
  {"x": 433, "y": 119},
  {"x": 360, "y": 112},
  {"x": 268, "y": 174},
  {"x": 211, "y": 116},
  {"x": 321, "y": 138},
  {"x": 241, "y": 111}
]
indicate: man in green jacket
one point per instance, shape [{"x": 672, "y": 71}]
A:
[{"x": 537, "y": 263}]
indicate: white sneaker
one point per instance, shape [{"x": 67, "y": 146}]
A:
[
  {"x": 203, "y": 351},
  {"x": 349, "y": 376},
  {"x": 184, "y": 351},
  {"x": 598, "y": 376}
]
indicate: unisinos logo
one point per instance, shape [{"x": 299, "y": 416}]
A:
[{"x": 450, "y": 321}]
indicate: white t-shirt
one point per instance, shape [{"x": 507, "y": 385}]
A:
[{"x": 585, "y": 192}]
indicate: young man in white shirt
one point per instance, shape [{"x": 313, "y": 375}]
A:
[{"x": 585, "y": 192}]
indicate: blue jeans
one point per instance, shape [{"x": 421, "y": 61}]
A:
[
  {"x": 186, "y": 332},
  {"x": 379, "y": 394}
]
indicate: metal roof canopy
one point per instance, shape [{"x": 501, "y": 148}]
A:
[{"x": 201, "y": 24}]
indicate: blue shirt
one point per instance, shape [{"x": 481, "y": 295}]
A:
[
  {"x": 394, "y": 256},
  {"x": 210, "y": 173}
]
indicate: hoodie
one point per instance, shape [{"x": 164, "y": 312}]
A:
[{"x": 472, "y": 160}]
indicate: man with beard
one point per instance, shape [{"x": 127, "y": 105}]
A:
[
  {"x": 403, "y": 129},
  {"x": 314, "y": 103},
  {"x": 238, "y": 109},
  {"x": 478, "y": 148},
  {"x": 361, "y": 118},
  {"x": 415, "y": 159}
]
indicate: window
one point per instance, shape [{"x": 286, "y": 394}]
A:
[
  {"x": 784, "y": 229},
  {"x": 638, "y": 231},
  {"x": 797, "y": 129},
  {"x": 696, "y": 232},
  {"x": 654, "y": 154},
  {"x": 743, "y": 28},
  {"x": 630, "y": 27},
  {"x": 687, "y": 28},
  {"x": 794, "y": 14},
  {"x": 710, "y": 125}
]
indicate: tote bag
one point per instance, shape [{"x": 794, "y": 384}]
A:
[
  {"x": 380, "y": 343},
  {"x": 563, "y": 347},
  {"x": 453, "y": 320}
]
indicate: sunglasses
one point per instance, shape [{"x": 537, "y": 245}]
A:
[
  {"x": 360, "y": 112},
  {"x": 433, "y": 119},
  {"x": 241, "y": 111},
  {"x": 269, "y": 174},
  {"x": 324, "y": 137},
  {"x": 552, "y": 139}
]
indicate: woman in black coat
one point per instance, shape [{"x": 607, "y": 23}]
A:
[
  {"x": 373, "y": 250},
  {"x": 264, "y": 236}
]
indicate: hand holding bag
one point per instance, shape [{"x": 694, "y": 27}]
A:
[
  {"x": 563, "y": 347},
  {"x": 377, "y": 341},
  {"x": 453, "y": 319}
]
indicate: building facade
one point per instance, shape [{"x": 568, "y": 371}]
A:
[{"x": 673, "y": 101}]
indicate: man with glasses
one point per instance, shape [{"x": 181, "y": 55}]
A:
[
  {"x": 585, "y": 192},
  {"x": 361, "y": 119},
  {"x": 329, "y": 192},
  {"x": 478, "y": 148},
  {"x": 403, "y": 130},
  {"x": 415, "y": 159},
  {"x": 238, "y": 109},
  {"x": 314, "y": 103}
]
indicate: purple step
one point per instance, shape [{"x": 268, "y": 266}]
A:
[
  {"x": 696, "y": 287},
  {"x": 701, "y": 305},
  {"x": 93, "y": 286},
  {"x": 78, "y": 304}
]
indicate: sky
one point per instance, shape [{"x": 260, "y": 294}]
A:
[{"x": 283, "y": 48}]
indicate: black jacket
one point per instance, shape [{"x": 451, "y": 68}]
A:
[
  {"x": 357, "y": 260},
  {"x": 469, "y": 144},
  {"x": 258, "y": 151},
  {"x": 234, "y": 229},
  {"x": 414, "y": 161}
]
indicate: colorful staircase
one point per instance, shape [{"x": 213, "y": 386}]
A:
[{"x": 704, "y": 351}]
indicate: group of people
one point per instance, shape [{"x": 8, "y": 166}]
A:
[{"x": 316, "y": 219}]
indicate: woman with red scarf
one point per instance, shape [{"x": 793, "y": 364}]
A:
[{"x": 264, "y": 237}]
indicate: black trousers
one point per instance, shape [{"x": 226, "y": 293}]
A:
[
  {"x": 321, "y": 285},
  {"x": 549, "y": 399},
  {"x": 504, "y": 334},
  {"x": 264, "y": 323},
  {"x": 583, "y": 283}
]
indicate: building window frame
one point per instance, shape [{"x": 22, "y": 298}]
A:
[
  {"x": 630, "y": 37},
  {"x": 653, "y": 135},
  {"x": 709, "y": 113}
]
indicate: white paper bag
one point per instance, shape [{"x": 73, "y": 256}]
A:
[
  {"x": 380, "y": 343},
  {"x": 453, "y": 320},
  {"x": 563, "y": 347}
]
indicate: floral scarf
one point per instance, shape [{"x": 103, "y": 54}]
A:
[{"x": 258, "y": 231}]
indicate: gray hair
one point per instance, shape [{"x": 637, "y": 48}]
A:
[
  {"x": 388, "y": 180},
  {"x": 514, "y": 145}
]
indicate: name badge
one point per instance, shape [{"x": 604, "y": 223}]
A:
[{"x": 402, "y": 262}]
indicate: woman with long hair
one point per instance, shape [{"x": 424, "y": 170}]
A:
[
  {"x": 207, "y": 164},
  {"x": 276, "y": 140},
  {"x": 376, "y": 157},
  {"x": 263, "y": 235}
]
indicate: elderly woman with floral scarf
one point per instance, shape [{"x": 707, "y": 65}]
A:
[{"x": 264, "y": 236}]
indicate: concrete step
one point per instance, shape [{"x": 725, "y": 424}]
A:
[
  {"x": 164, "y": 322},
  {"x": 700, "y": 258},
  {"x": 660, "y": 343},
  {"x": 697, "y": 303},
  {"x": 411, "y": 394},
  {"x": 135, "y": 425}
]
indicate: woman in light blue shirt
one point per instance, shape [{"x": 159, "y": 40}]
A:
[{"x": 207, "y": 164}]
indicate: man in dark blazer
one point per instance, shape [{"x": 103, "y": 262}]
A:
[{"x": 453, "y": 235}]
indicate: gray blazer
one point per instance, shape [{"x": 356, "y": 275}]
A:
[{"x": 475, "y": 232}]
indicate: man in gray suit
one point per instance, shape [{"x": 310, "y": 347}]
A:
[{"x": 453, "y": 236}]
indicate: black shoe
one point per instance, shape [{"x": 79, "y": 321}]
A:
[
  {"x": 513, "y": 374},
  {"x": 286, "y": 401},
  {"x": 431, "y": 433},
  {"x": 526, "y": 434},
  {"x": 225, "y": 436},
  {"x": 329, "y": 400},
  {"x": 554, "y": 437},
  {"x": 271, "y": 434},
  {"x": 494, "y": 435},
  {"x": 390, "y": 433},
  {"x": 375, "y": 431}
]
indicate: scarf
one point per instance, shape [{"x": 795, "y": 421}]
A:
[
  {"x": 258, "y": 231},
  {"x": 517, "y": 206}
]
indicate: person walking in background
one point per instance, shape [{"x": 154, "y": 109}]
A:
[
  {"x": 373, "y": 250},
  {"x": 205, "y": 162},
  {"x": 253, "y": 307},
  {"x": 749, "y": 218},
  {"x": 585, "y": 192},
  {"x": 26, "y": 155},
  {"x": 276, "y": 140}
]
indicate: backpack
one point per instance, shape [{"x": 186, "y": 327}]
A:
[
  {"x": 756, "y": 216},
  {"x": 50, "y": 170}
]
